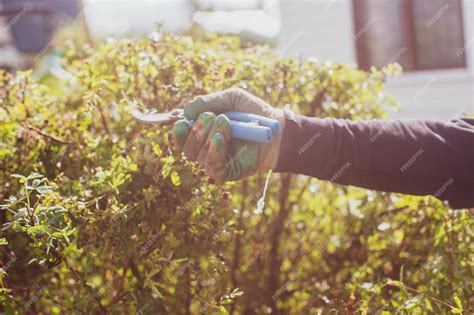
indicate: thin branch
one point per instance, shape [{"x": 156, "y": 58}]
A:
[
  {"x": 118, "y": 299},
  {"x": 301, "y": 192},
  {"x": 47, "y": 135},
  {"x": 428, "y": 296},
  {"x": 23, "y": 96},
  {"x": 88, "y": 288},
  {"x": 103, "y": 119},
  {"x": 409, "y": 289},
  {"x": 389, "y": 211}
]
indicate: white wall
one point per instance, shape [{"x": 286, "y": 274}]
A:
[
  {"x": 110, "y": 17},
  {"x": 317, "y": 28},
  {"x": 433, "y": 94},
  {"x": 468, "y": 8},
  {"x": 324, "y": 29},
  {"x": 439, "y": 94}
]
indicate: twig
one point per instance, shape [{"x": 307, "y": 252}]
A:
[
  {"x": 395, "y": 210},
  {"x": 118, "y": 299},
  {"x": 409, "y": 289},
  {"x": 449, "y": 250},
  {"x": 104, "y": 120},
  {"x": 23, "y": 96},
  {"x": 349, "y": 307},
  {"x": 56, "y": 301},
  {"x": 238, "y": 244},
  {"x": 301, "y": 192},
  {"x": 428, "y": 296},
  {"x": 47, "y": 135},
  {"x": 88, "y": 288}
]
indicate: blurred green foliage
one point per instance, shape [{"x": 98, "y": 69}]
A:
[{"x": 102, "y": 216}]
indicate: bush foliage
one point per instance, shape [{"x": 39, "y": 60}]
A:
[{"x": 101, "y": 216}]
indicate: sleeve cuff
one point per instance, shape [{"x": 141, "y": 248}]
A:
[{"x": 301, "y": 146}]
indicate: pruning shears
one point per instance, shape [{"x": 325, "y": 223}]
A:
[{"x": 244, "y": 126}]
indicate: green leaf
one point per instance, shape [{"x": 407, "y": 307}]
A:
[
  {"x": 7, "y": 225},
  {"x": 44, "y": 189},
  {"x": 157, "y": 150},
  {"x": 22, "y": 178},
  {"x": 37, "y": 229},
  {"x": 395, "y": 283},
  {"x": 167, "y": 166},
  {"x": 458, "y": 302},
  {"x": 413, "y": 302},
  {"x": 175, "y": 179},
  {"x": 222, "y": 311},
  {"x": 3, "y": 241},
  {"x": 236, "y": 293},
  {"x": 18, "y": 176},
  {"x": 34, "y": 176}
]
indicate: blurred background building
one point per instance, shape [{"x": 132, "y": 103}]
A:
[{"x": 432, "y": 39}]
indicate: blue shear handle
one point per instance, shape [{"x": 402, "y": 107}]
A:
[
  {"x": 273, "y": 124},
  {"x": 251, "y": 132}
]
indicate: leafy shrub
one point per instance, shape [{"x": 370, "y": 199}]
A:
[{"x": 100, "y": 216}]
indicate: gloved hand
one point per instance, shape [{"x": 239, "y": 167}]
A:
[{"x": 209, "y": 140}]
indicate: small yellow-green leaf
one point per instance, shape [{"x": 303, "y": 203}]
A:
[
  {"x": 37, "y": 229},
  {"x": 175, "y": 179},
  {"x": 458, "y": 302}
]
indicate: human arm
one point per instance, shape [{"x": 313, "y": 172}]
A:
[
  {"x": 417, "y": 157},
  {"x": 414, "y": 157}
]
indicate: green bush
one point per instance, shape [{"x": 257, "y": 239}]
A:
[{"x": 101, "y": 216}]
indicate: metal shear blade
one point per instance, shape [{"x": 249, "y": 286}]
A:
[{"x": 158, "y": 118}]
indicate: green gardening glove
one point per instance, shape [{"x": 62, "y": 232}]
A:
[{"x": 210, "y": 142}]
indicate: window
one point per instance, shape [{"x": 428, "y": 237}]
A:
[{"x": 418, "y": 34}]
